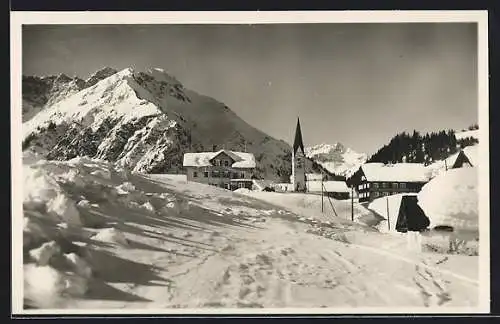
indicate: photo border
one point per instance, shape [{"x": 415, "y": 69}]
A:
[{"x": 18, "y": 18}]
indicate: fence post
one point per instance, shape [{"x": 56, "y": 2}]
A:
[
  {"x": 352, "y": 203},
  {"x": 388, "y": 216}
]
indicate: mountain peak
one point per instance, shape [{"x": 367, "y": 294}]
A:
[
  {"x": 162, "y": 75},
  {"x": 99, "y": 75},
  {"x": 336, "y": 158}
]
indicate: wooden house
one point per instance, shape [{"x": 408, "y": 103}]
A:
[{"x": 374, "y": 180}]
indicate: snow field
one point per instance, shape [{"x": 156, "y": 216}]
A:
[{"x": 191, "y": 245}]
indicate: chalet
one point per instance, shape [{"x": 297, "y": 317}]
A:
[
  {"x": 466, "y": 157},
  {"x": 374, "y": 180},
  {"x": 334, "y": 189},
  {"x": 226, "y": 169}
]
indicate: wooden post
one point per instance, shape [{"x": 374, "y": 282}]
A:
[
  {"x": 352, "y": 203},
  {"x": 388, "y": 217},
  {"x": 445, "y": 165},
  {"x": 321, "y": 191}
]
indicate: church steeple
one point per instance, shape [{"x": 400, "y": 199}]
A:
[{"x": 298, "y": 138}]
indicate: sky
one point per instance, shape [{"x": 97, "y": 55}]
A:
[{"x": 358, "y": 84}]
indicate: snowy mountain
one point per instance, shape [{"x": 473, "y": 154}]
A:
[
  {"x": 141, "y": 120},
  {"x": 335, "y": 158},
  {"x": 42, "y": 92}
]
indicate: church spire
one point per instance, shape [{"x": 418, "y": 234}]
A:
[{"x": 298, "y": 138}]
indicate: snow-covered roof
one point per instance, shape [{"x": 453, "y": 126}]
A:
[
  {"x": 440, "y": 166},
  {"x": 379, "y": 205},
  {"x": 262, "y": 184},
  {"x": 329, "y": 186},
  {"x": 398, "y": 172},
  {"x": 472, "y": 154},
  {"x": 202, "y": 159},
  {"x": 451, "y": 198},
  {"x": 314, "y": 176}
]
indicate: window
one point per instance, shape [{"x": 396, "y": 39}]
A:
[
  {"x": 215, "y": 174},
  {"x": 226, "y": 163},
  {"x": 227, "y": 174},
  {"x": 375, "y": 185},
  {"x": 402, "y": 185},
  {"x": 195, "y": 174},
  {"x": 228, "y": 186},
  {"x": 395, "y": 185},
  {"x": 242, "y": 175},
  {"x": 205, "y": 174},
  {"x": 241, "y": 185},
  {"x": 385, "y": 185},
  {"x": 360, "y": 187},
  {"x": 235, "y": 175},
  {"x": 375, "y": 194}
]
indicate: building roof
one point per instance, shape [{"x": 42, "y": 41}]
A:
[
  {"x": 202, "y": 159},
  {"x": 262, "y": 184},
  {"x": 472, "y": 154},
  {"x": 329, "y": 186},
  {"x": 440, "y": 166},
  {"x": 314, "y": 176},
  {"x": 398, "y": 172},
  {"x": 297, "y": 142}
]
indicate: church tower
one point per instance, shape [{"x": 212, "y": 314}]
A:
[{"x": 298, "y": 161}]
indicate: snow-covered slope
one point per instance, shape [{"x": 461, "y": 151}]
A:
[
  {"x": 97, "y": 237},
  {"x": 466, "y": 134},
  {"x": 145, "y": 121},
  {"x": 336, "y": 158},
  {"x": 41, "y": 92}
]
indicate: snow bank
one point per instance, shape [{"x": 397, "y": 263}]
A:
[
  {"x": 42, "y": 192},
  {"x": 44, "y": 253},
  {"x": 125, "y": 188},
  {"x": 111, "y": 235},
  {"x": 242, "y": 190},
  {"x": 451, "y": 199},
  {"x": 78, "y": 265}
]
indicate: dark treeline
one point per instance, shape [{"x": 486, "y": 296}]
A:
[{"x": 418, "y": 148}]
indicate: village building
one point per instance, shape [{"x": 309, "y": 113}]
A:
[
  {"x": 374, "y": 180},
  {"x": 465, "y": 158},
  {"x": 262, "y": 185},
  {"x": 226, "y": 169},
  {"x": 334, "y": 189}
]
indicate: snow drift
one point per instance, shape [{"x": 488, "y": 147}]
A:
[{"x": 451, "y": 199}]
